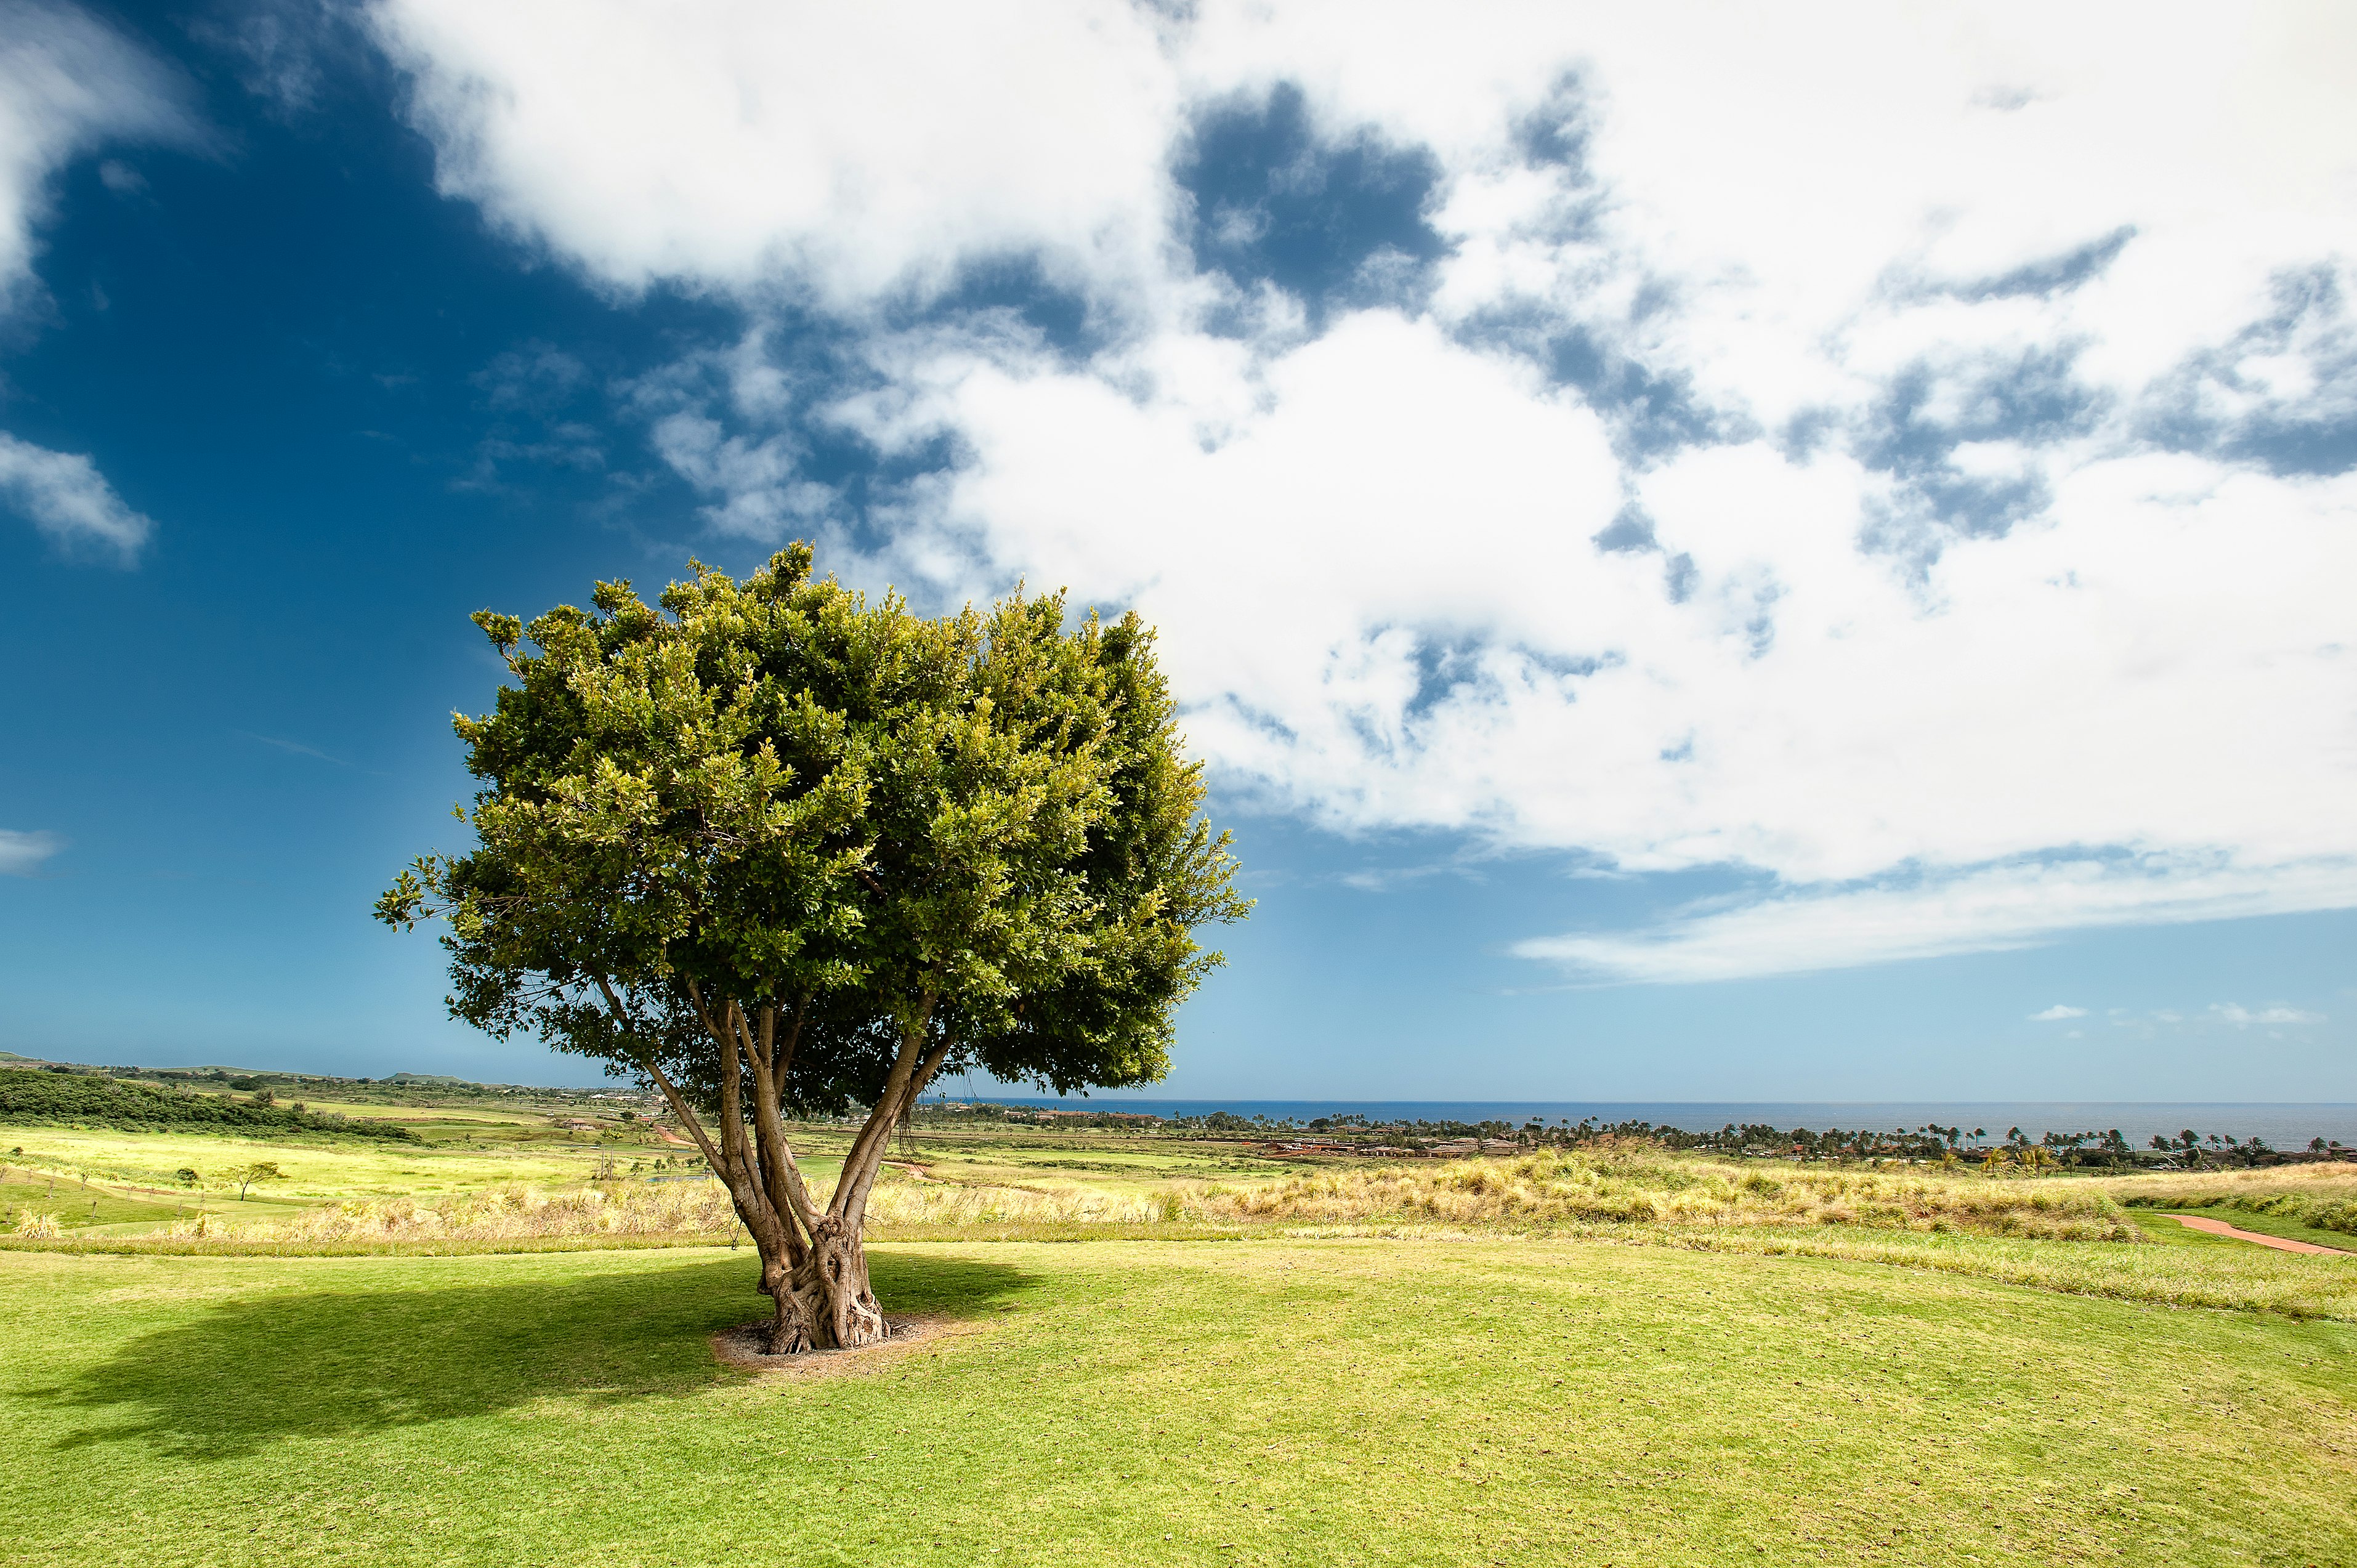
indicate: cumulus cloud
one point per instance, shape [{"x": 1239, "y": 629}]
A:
[
  {"x": 64, "y": 496},
  {"x": 21, "y": 854},
  {"x": 1901, "y": 456},
  {"x": 845, "y": 150},
  {"x": 2055, "y": 1013}
]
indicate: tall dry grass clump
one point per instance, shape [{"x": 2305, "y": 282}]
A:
[
  {"x": 1635, "y": 1184},
  {"x": 679, "y": 1208},
  {"x": 1627, "y": 1184},
  {"x": 2323, "y": 1197},
  {"x": 948, "y": 1204},
  {"x": 501, "y": 1214}
]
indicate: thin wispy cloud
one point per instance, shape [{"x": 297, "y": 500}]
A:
[
  {"x": 2242, "y": 1018},
  {"x": 68, "y": 85},
  {"x": 294, "y": 747},
  {"x": 22, "y": 853},
  {"x": 1993, "y": 909},
  {"x": 64, "y": 496},
  {"x": 2059, "y": 1011}
]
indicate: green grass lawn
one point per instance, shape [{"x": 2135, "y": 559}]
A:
[
  {"x": 315, "y": 1168},
  {"x": 77, "y": 1206},
  {"x": 1112, "y": 1403}
]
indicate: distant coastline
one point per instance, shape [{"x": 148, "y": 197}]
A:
[{"x": 2283, "y": 1125}]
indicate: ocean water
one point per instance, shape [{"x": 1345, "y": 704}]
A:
[{"x": 2283, "y": 1126}]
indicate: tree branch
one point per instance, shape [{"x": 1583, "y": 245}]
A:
[
  {"x": 787, "y": 1193},
  {"x": 866, "y": 1154},
  {"x": 686, "y": 1115},
  {"x": 929, "y": 1066}
]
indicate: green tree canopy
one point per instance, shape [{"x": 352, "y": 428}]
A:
[{"x": 778, "y": 849}]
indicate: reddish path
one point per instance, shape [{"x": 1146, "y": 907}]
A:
[{"x": 2282, "y": 1244}]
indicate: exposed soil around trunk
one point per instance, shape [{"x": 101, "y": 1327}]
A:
[
  {"x": 2281, "y": 1244},
  {"x": 743, "y": 1346}
]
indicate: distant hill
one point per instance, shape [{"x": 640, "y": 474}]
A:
[
  {"x": 35, "y": 1097},
  {"x": 398, "y": 1090}
]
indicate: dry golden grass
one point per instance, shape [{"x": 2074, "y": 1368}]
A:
[
  {"x": 685, "y": 1208},
  {"x": 508, "y": 1213},
  {"x": 1579, "y": 1189},
  {"x": 2192, "y": 1189},
  {"x": 1637, "y": 1183},
  {"x": 2061, "y": 1235},
  {"x": 2323, "y": 1197}
]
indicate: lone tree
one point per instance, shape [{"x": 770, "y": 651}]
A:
[
  {"x": 260, "y": 1170},
  {"x": 782, "y": 851}
]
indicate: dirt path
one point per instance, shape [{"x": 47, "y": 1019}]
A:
[{"x": 2281, "y": 1244}]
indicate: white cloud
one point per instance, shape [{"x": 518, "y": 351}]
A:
[
  {"x": 2059, "y": 1011},
  {"x": 1987, "y": 911},
  {"x": 68, "y": 84},
  {"x": 2244, "y": 1017},
  {"x": 2038, "y": 631},
  {"x": 21, "y": 854},
  {"x": 64, "y": 496},
  {"x": 847, "y": 150}
]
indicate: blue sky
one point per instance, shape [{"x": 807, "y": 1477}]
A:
[{"x": 1706, "y": 566}]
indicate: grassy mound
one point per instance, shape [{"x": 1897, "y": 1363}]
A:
[{"x": 70, "y": 1099}]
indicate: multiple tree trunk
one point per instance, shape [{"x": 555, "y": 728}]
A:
[{"x": 813, "y": 1261}]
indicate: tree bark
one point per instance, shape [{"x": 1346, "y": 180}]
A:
[
  {"x": 831, "y": 1288},
  {"x": 813, "y": 1262}
]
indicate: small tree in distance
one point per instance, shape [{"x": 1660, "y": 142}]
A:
[
  {"x": 260, "y": 1170},
  {"x": 777, "y": 850}
]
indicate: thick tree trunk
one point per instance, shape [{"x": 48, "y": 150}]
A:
[
  {"x": 831, "y": 1281},
  {"x": 813, "y": 1263},
  {"x": 832, "y": 1292},
  {"x": 790, "y": 1330}
]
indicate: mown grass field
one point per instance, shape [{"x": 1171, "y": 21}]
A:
[
  {"x": 1615, "y": 1356},
  {"x": 1272, "y": 1401},
  {"x": 80, "y": 1204}
]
